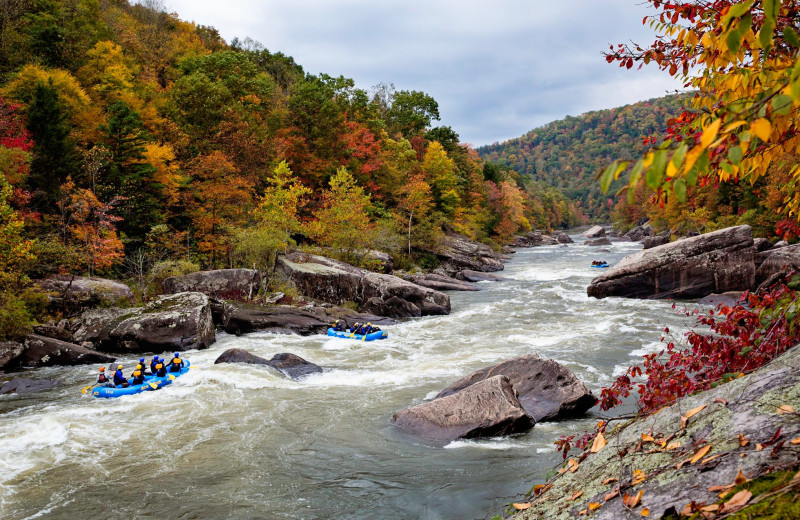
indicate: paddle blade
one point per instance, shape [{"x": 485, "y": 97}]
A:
[
  {"x": 86, "y": 389},
  {"x": 153, "y": 385},
  {"x": 171, "y": 377}
]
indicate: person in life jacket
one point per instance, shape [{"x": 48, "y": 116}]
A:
[
  {"x": 102, "y": 379},
  {"x": 370, "y": 328},
  {"x": 139, "y": 367},
  {"x": 153, "y": 364},
  {"x": 177, "y": 363},
  {"x": 161, "y": 370},
  {"x": 138, "y": 378},
  {"x": 338, "y": 325},
  {"x": 119, "y": 378},
  {"x": 354, "y": 329}
]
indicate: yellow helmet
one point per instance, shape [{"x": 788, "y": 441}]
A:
[
  {"x": 138, "y": 367},
  {"x": 119, "y": 367}
]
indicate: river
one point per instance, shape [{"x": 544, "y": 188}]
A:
[{"x": 238, "y": 441}]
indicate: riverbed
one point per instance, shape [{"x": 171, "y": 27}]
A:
[{"x": 241, "y": 441}]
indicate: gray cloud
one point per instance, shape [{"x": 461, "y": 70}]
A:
[{"x": 497, "y": 69}]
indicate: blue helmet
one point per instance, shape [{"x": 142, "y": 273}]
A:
[
  {"x": 141, "y": 360},
  {"x": 155, "y": 358},
  {"x": 177, "y": 354}
]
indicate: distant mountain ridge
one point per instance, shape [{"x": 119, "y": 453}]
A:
[{"x": 568, "y": 153}]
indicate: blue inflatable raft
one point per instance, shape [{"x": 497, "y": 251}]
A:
[
  {"x": 107, "y": 392},
  {"x": 600, "y": 266},
  {"x": 381, "y": 334}
]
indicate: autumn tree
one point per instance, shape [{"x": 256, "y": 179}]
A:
[
  {"x": 441, "y": 175},
  {"x": 415, "y": 200},
  {"x": 343, "y": 221}
]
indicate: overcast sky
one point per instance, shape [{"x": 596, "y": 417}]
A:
[{"x": 498, "y": 69}]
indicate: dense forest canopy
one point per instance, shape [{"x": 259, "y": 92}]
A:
[
  {"x": 133, "y": 143},
  {"x": 567, "y": 154}
]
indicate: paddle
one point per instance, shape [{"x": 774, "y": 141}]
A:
[{"x": 87, "y": 388}]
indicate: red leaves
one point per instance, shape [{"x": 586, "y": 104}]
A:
[{"x": 742, "y": 339}]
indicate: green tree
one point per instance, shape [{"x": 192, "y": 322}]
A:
[
  {"x": 440, "y": 173},
  {"x": 411, "y": 112}
]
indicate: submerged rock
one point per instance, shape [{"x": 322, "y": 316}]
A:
[
  {"x": 485, "y": 409},
  {"x": 23, "y": 385},
  {"x": 546, "y": 389},
  {"x": 290, "y": 365},
  {"x": 41, "y": 351},
  {"x": 691, "y": 268},
  {"x": 227, "y": 284}
]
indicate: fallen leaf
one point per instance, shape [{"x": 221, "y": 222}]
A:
[
  {"x": 598, "y": 443},
  {"x": 784, "y": 409},
  {"x": 614, "y": 492},
  {"x": 740, "y": 478},
  {"x": 759, "y": 447},
  {"x": 645, "y": 512},
  {"x": 684, "y": 420},
  {"x": 521, "y": 506},
  {"x": 743, "y": 441},
  {"x": 711, "y": 508},
  {"x": 688, "y": 509},
  {"x": 721, "y": 400},
  {"x": 576, "y": 495},
  {"x": 610, "y": 481},
  {"x": 714, "y": 489},
  {"x": 694, "y": 411},
  {"x": 639, "y": 476},
  {"x": 583, "y": 512},
  {"x": 681, "y": 463},
  {"x": 709, "y": 459},
  {"x": 633, "y": 500},
  {"x": 562, "y": 470},
  {"x": 594, "y": 505},
  {"x": 796, "y": 440},
  {"x": 647, "y": 438},
  {"x": 673, "y": 445},
  {"x": 572, "y": 465},
  {"x": 699, "y": 454},
  {"x": 538, "y": 489},
  {"x": 737, "y": 501}
]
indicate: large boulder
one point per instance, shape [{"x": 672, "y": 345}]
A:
[
  {"x": 290, "y": 365},
  {"x": 337, "y": 282},
  {"x": 561, "y": 237},
  {"x": 533, "y": 239},
  {"x": 51, "y": 331},
  {"x": 174, "y": 322},
  {"x": 486, "y": 409},
  {"x": 603, "y": 241},
  {"x": 639, "y": 233},
  {"x": 241, "y": 318},
  {"x": 654, "y": 241},
  {"x": 780, "y": 260},
  {"x": 477, "y": 276},
  {"x": 226, "y": 284},
  {"x": 23, "y": 385},
  {"x": 594, "y": 232},
  {"x": 41, "y": 351},
  {"x": 82, "y": 292},
  {"x": 546, "y": 389},
  {"x": 694, "y": 267},
  {"x": 10, "y": 354},
  {"x": 439, "y": 282},
  {"x": 457, "y": 252}
]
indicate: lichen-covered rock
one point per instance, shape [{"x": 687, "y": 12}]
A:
[
  {"x": 747, "y": 406},
  {"x": 476, "y": 276},
  {"x": 82, "y": 292},
  {"x": 594, "y": 232},
  {"x": 337, "y": 282},
  {"x": 51, "y": 331},
  {"x": 10, "y": 354},
  {"x": 546, "y": 389},
  {"x": 439, "y": 282},
  {"x": 654, "y": 241},
  {"x": 24, "y": 385},
  {"x": 457, "y": 252},
  {"x": 716, "y": 262},
  {"x": 231, "y": 284},
  {"x": 780, "y": 260},
  {"x": 41, "y": 351},
  {"x": 176, "y": 322},
  {"x": 533, "y": 239},
  {"x": 485, "y": 409}
]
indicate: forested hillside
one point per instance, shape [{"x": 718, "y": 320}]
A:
[
  {"x": 568, "y": 154},
  {"x": 131, "y": 140}
]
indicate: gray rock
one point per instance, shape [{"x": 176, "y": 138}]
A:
[
  {"x": 546, "y": 390},
  {"x": 457, "y": 252},
  {"x": 561, "y": 237},
  {"x": 82, "y": 292},
  {"x": 761, "y": 244},
  {"x": 10, "y": 355},
  {"x": 598, "y": 242},
  {"x": 226, "y": 284},
  {"x": 655, "y": 241},
  {"x": 238, "y": 355},
  {"x": 533, "y": 239},
  {"x": 440, "y": 282},
  {"x": 486, "y": 409},
  {"x": 477, "y": 276},
  {"x": 779, "y": 260},
  {"x": 293, "y": 366},
  {"x": 51, "y": 331},
  {"x": 23, "y": 385},
  {"x": 175, "y": 322},
  {"x": 337, "y": 282},
  {"x": 594, "y": 232},
  {"x": 41, "y": 351},
  {"x": 241, "y": 318},
  {"x": 639, "y": 233},
  {"x": 745, "y": 406},
  {"x": 781, "y": 243},
  {"x": 716, "y": 262},
  {"x": 731, "y": 299}
]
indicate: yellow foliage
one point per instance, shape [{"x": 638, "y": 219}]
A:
[{"x": 70, "y": 93}]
